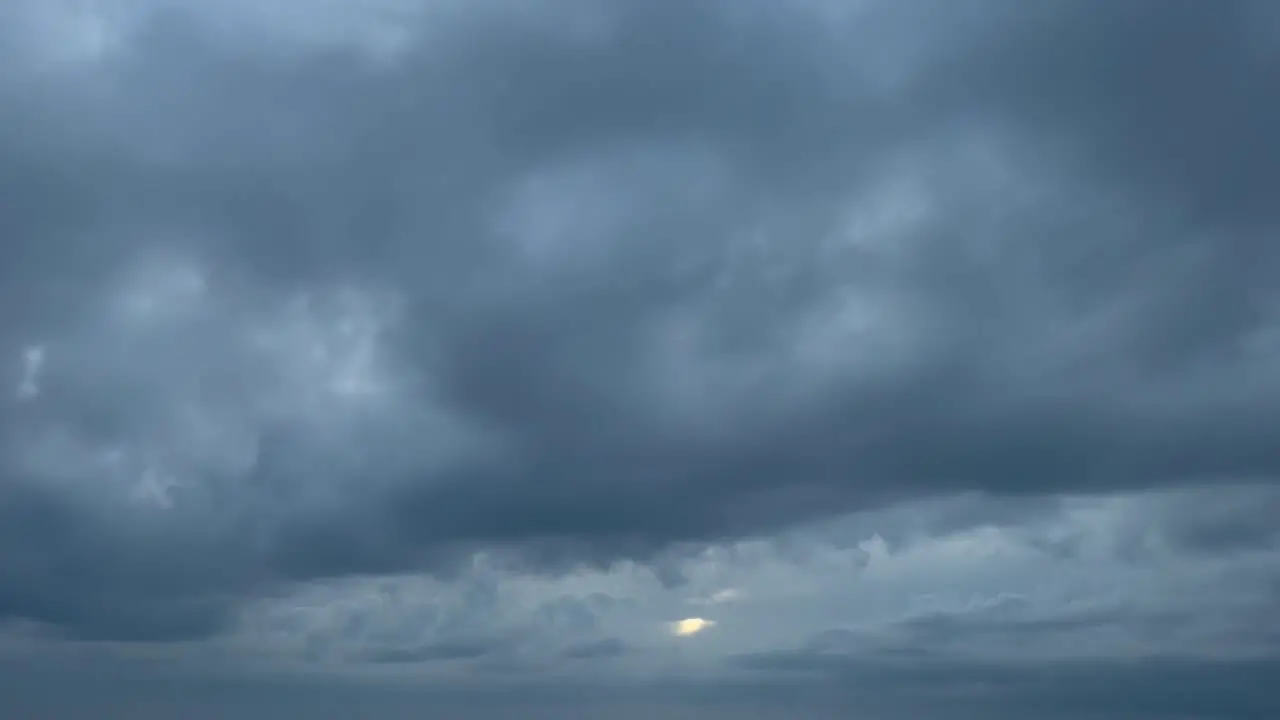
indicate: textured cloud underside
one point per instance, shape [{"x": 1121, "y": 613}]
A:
[{"x": 808, "y": 344}]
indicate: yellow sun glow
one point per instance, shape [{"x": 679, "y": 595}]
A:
[{"x": 690, "y": 626}]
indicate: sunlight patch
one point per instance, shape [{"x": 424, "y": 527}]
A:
[{"x": 690, "y": 626}]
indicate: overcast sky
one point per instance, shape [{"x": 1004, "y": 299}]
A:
[{"x": 692, "y": 359}]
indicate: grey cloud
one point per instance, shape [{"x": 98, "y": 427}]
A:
[
  {"x": 938, "y": 632},
  {"x": 599, "y": 649},
  {"x": 66, "y": 567},
  {"x": 485, "y": 622},
  {"x": 1228, "y": 521},
  {"x": 1183, "y": 117},
  {"x": 458, "y": 650},
  {"x": 1150, "y": 689},
  {"x": 1162, "y": 689},
  {"x": 971, "y": 623},
  {"x": 617, "y": 260}
]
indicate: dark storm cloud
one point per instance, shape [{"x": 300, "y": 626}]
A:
[
  {"x": 65, "y": 567},
  {"x": 1184, "y": 117},
  {"x": 1086, "y": 307},
  {"x": 1235, "y": 521}
]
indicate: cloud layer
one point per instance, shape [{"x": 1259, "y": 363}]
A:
[{"x": 485, "y": 340}]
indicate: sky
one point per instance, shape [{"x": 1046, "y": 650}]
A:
[{"x": 741, "y": 359}]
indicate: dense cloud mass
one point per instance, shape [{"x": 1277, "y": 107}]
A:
[{"x": 922, "y": 357}]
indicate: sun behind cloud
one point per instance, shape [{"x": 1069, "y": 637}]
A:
[{"x": 690, "y": 626}]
